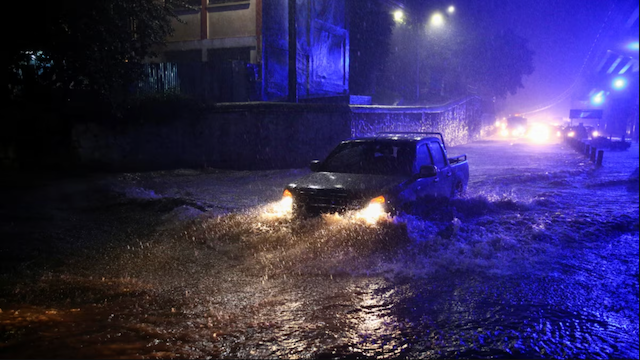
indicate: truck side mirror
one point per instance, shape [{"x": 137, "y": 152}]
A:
[
  {"x": 315, "y": 165},
  {"x": 427, "y": 171}
]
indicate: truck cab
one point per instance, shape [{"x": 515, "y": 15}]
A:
[{"x": 399, "y": 168}]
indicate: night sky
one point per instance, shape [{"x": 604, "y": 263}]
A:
[{"x": 561, "y": 33}]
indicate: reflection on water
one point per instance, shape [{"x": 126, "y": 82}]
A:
[
  {"x": 546, "y": 270},
  {"x": 247, "y": 296}
]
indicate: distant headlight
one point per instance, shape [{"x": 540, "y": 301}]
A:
[
  {"x": 539, "y": 133},
  {"x": 504, "y": 132},
  {"x": 571, "y": 134},
  {"x": 595, "y": 134}
]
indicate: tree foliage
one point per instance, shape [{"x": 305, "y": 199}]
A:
[
  {"x": 370, "y": 31},
  {"x": 92, "y": 45},
  {"x": 468, "y": 54},
  {"x": 496, "y": 64},
  {"x": 70, "y": 61}
]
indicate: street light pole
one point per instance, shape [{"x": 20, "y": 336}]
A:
[
  {"x": 293, "y": 54},
  {"x": 418, "y": 70}
]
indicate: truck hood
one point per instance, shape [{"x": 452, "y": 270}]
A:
[{"x": 360, "y": 185}]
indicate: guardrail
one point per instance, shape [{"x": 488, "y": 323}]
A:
[{"x": 591, "y": 152}]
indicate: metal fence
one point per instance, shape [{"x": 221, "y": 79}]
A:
[
  {"x": 159, "y": 78},
  {"x": 229, "y": 81}
]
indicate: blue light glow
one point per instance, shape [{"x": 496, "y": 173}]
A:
[
  {"x": 633, "y": 46},
  {"x": 619, "y": 83},
  {"x": 597, "y": 99}
]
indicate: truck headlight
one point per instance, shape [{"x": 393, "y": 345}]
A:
[
  {"x": 374, "y": 211},
  {"x": 286, "y": 203},
  {"x": 282, "y": 208}
]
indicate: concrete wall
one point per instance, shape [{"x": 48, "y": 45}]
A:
[
  {"x": 243, "y": 137},
  {"x": 228, "y": 21},
  {"x": 255, "y": 136},
  {"x": 187, "y": 29}
]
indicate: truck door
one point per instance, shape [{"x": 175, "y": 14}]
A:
[
  {"x": 425, "y": 187},
  {"x": 444, "y": 180}
]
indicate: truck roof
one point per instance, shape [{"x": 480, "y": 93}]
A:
[{"x": 411, "y": 137}]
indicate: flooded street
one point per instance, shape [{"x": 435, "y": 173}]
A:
[{"x": 538, "y": 260}]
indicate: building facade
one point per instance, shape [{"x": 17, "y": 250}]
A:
[
  {"x": 236, "y": 51},
  {"x": 612, "y": 80}
]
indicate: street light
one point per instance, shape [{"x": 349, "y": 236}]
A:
[
  {"x": 619, "y": 83},
  {"x": 597, "y": 99},
  {"x": 398, "y": 16},
  {"x": 435, "y": 24},
  {"x": 437, "y": 19}
]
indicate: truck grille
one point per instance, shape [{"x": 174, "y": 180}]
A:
[{"x": 326, "y": 200}]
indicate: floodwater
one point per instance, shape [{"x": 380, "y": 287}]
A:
[{"x": 538, "y": 260}]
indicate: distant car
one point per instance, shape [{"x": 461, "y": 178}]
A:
[
  {"x": 559, "y": 131},
  {"x": 382, "y": 173},
  {"x": 592, "y": 132},
  {"x": 580, "y": 132},
  {"x": 515, "y": 126}
]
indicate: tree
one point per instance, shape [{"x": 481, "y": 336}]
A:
[
  {"x": 74, "y": 60},
  {"x": 370, "y": 30},
  {"x": 495, "y": 65},
  {"x": 466, "y": 54},
  {"x": 90, "y": 45}
]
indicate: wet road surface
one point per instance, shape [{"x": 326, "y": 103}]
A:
[{"x": 538, "y": 260}]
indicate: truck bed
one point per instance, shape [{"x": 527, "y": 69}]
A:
[{"x": 457, "y": 159}]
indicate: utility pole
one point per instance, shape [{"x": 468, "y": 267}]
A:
[
  {"x": 418, "y": 68},
  {"x": 204, "y": 20},
  {"x": 293, "y": 53}
]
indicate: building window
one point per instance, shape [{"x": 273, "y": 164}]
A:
[{"x": 223, "y": 2}]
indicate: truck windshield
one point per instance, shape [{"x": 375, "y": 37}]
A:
[{"x": 368, "y": 157}]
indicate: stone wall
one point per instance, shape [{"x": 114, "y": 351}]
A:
[
  {"x": 460, "y": 121},
  {"x": 258, "y": 136}
]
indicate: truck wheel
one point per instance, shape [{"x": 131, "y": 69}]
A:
[{"x": 458, "y": 190}]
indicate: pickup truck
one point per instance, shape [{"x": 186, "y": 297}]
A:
[{"x": 389, "y": 171}]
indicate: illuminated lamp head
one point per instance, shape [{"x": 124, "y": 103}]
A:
[
  {"x": 398, "y": 16},
  {"x": 619, "y": 83},
  {"x": 598, "y": 99},
  {"x": 287, "y": 198},
  {"x": 437, "y": 20},
  {"x": 374, "y": 211}
]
